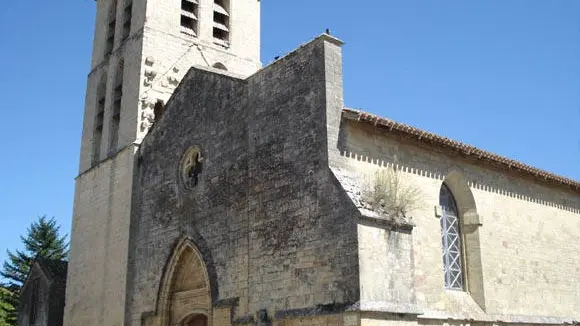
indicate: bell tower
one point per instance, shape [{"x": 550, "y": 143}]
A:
[{"x": 141, "y": 50}]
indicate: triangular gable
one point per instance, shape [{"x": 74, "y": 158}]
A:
[
  {"x": 51, "y": 269},
  {"x": 35, "y": 269}
]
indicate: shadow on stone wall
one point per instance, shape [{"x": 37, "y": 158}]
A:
[{"x": 495, "y": 182}]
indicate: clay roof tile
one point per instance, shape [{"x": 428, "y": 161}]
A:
[{"x": 468, "y": 150}]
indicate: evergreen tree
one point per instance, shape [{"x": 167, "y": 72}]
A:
[
  {"x": 42, "y": 239},
  {"x": 7, "y": 306}
]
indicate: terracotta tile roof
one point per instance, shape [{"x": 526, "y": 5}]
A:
[{"x": 461, "y": 148}]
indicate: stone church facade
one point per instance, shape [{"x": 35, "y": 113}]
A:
[{"x": 214, "y": 193}]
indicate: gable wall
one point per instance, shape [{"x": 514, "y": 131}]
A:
[
  {"x": 43, "y": 303},
  {"x": 266, "y": 216}
]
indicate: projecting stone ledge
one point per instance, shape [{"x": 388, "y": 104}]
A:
[{"x": 352, "y": 186}]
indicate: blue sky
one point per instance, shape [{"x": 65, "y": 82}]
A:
[{"x": 500, "y": 75}]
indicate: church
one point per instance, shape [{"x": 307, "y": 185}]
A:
[{"x": 214, "y": 191}]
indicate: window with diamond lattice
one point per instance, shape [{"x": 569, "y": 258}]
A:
[{"x": 451, "y": 240}]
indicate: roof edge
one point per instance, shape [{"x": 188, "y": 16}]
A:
[{"x": 464, "y": 149}]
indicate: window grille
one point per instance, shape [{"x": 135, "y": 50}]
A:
[{"x": 451, "y": 240}]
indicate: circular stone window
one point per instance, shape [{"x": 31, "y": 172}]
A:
[{"x": 190, "y": 167}]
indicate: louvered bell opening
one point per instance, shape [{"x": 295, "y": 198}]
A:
[
  {"x": 221, "y": 27},
  {"x": 99, "y": 121},
  {"x": 118, "y": 91},
  {"x": 219, "y": 8},
  {"x": 189, "y": 9},
  {"x": 116, "y": 110},
  {"x": 100, "y": 113},
  {"x": 221, "y": 19},
  {"x": 127, "y": 15},
  {"x": 101, "y": 103},
  {"x": 110, "y": 37},
  {"x": 128, "y": 11},
  {"x": 221, "y": 22},
  {"x": 189, "y": 25},
  {"x": 189, "y": 6},
  {"x": 220, "y": 36}
]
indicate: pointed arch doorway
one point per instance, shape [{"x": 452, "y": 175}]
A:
[
  {"x": 196, "y": 320},
  {"x": 185, "y": 294}
]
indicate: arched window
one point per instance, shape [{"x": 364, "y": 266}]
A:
[
  {"x": 111, "y": 27},
  {"x": 116, "y": 109},
  {"x": 451, "y": 240},
  {"x": 99, "y": 118},
  {"x": 219, "y": 65},
  {"x": 127, "y": 16}
]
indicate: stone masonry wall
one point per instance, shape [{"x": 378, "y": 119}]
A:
[
  {"x": 244, "y": 25},
  {"x": 96, "y": 281},
  {"x": 103, "y": 191},
  {"x": 128, "y": 121},
  {"x": 168, "y": 52},
  {"x": 527, "y": 237},
  {"x": 270, "y": 220},
  {"x": 43, "y": 304},
  {"x": 155, "y": 35},
  {"x": 167, "y": 58},
  {"x": 102, "y": 22}
]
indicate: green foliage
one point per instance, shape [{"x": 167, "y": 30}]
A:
[
  {"x": 42, "y": 239},
  {"x": 8, "y": 302}
]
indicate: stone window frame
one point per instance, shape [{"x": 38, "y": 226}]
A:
[
  {"x": 191, "y": 162},
  {"x": 452, "y": 242},
  {"x": 127, "y": 18},
  {"x": 111, "y": 25},
  {"x": 221, "y": 29},
  {"x": 189, "y": 17},
  {"x": 470, "y": 224},
  {"x": 99, "y": 119},
  {"x": 116, "y": 108}
]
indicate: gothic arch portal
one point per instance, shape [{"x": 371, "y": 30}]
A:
[{"x": 185, "y": 293}]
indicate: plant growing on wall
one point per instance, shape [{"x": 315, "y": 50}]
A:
[{"x": 391, "y": 193}]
